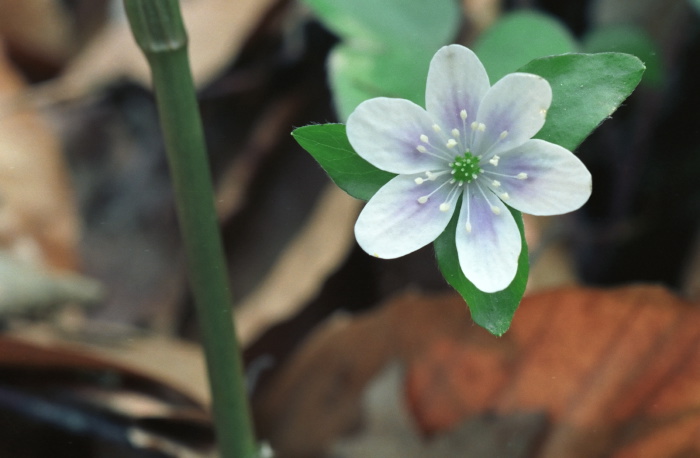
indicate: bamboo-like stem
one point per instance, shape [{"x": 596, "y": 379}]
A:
[{"x": 159, "y": 31}]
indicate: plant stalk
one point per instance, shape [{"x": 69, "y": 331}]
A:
[{"x": 159, "y": 31}]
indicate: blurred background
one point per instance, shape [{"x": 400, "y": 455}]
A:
[{"x": 100, "y": 336}]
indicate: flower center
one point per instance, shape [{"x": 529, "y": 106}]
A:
[{"x": 465, "y": 168}]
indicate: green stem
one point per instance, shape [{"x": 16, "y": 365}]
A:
[{"x": 158, "y": 29}]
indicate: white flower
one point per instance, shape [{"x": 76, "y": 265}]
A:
[{"x": 473, "y": 140}]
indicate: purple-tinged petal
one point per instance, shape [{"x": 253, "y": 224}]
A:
[
  {"x": 512, "y": 112},
  {"x": 541, "y": 178},
  {"x": 488, "y": 240},
  {"x": 387, "y": 133},
  {"x": 394, "y": 223},
  {"x": 456, "y": 81}
]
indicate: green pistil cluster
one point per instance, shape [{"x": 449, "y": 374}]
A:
[{"x": 465, "y": 168}]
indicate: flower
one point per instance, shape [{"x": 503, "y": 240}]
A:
[{"x": 472, "y": 141}]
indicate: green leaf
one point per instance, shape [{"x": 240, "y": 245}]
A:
[
  {"x": 518, "y": 38},
  {"x": 357, "y": 75},
  {"x": 696, "y": 5},
  {"x": 628, "y": 39},
  {"x": 386, "y": 46},
  {"x": 328, "y": 144},
  {"x": 393, "y": 23},
  {"x": 587, "y": 89},
  {"x": 493, "y": 311}
]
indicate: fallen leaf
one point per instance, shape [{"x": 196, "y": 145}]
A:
[
  {"x": 38, "y": 216},
  {"x": 389, "y": 431},
  {"x": 28, "y": 290},
  {"x": 217, "y": 30},
  {"x": 178, "y": 364},
  {"x": 302, "y": 268},
  {"x": 37, "y": 30},
  {"x": 615, "y": 372},
  {"x": 69, "y": 398}
]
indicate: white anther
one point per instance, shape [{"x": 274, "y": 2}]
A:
[
  {"x": 421, "y": 149},
  {"x": 451, "y": 143},
  {"x": 424, "y": 138},
  {"x": 474, "y": 175},
  {"x": 482, "y": 127},
  {"x": 475, "y": 125},
  {"x": 521, "y": 176},
  {"x": 463, "y": 114},
  {"x": 505, "y": 196},
  {"x": 495, "y": 210},
  {"x": 419, "y": 180},
  {"x": 436, "y": 128},
  {"x": 496, "y": 183},
  {"x": 494, "y": 160},
  {"x": 444, "y": 207},
  {"x": 503, "y": 135},
  {"x": 468, "y": 227},
  {"x": 455, "y": 133},
  {"x": 422, "y": 199},
  {"x": 543, "y": 111}
]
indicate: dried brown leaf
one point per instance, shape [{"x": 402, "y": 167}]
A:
[
  {"x": 615, "y": 372},
  {"x": 176, "y": 363},
  {"x": 217, "y": 29},
  {"x": 39, "y": 29},
  {"x": 302, "y": 268},
  {"x": 38, "y": 216}
]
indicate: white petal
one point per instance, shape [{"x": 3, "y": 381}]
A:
[
  {"x": 557, "y": 181},
  {"x": 386, "y": 132},
  {"x": 394, "y": 223},
  {"x": 456, "y": 81},
  {"x": 488, "y": 254},
  {"x": 517, "y": 105}
]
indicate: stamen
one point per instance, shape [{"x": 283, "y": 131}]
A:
[
  {"x": 444, "y": 207},
  {"x": 543, "y": 111},
  {"x": 520, "y": 176},
  {"x": 419, "y": 180},
  {"x": 494, "y": 160},
  {"x": 475, "y": 125},
  {"x": 503, "y": 135},
  {"x": 455, "y": 133},
  {"x": 468, "y": 226},
  {"x": 463, "y": 114},
  {"x": 495, "y": 210},
  {"x": 505, "y": 196},
  {"x": 432, "y": 176},
  {"x": 436, "y": 152},
  {"x": 482, "y": 127},
  {"x": 436, "y": 128},
  {"x": 451, "y": 143}
]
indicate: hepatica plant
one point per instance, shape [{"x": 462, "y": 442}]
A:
[
  {"x": 460, "y": 171},
  {"x": 470, "y": 151}
]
